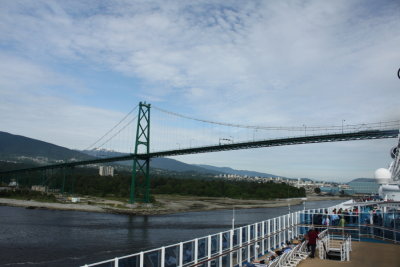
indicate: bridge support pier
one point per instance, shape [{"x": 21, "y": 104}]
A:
[{"x": 140, "y": 184}]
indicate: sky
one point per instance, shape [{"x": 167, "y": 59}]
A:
[{"x": 70, "y": 70}]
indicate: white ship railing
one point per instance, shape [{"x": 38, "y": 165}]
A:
[
  {"x": 229, "y": 248},
  {"x": 326, "y": 245},
  {"x": 242, "y": 245}
]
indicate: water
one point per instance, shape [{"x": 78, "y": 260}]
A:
[{"x": 73, "y": 238}]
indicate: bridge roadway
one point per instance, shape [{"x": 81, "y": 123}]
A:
[{"x": 362, "y": 135}]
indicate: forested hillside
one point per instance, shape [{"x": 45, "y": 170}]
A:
[{"x": 163, "y": 184}]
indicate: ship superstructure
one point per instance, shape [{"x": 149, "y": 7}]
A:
[{"x": 389, "y": 179}]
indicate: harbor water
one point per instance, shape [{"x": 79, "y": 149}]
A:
[{"x": 72, "y": 238}]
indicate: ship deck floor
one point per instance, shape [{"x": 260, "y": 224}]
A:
[{"x": 363, "y": 254}]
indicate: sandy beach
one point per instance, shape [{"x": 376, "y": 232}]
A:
[{"x": 165, "y": 204}]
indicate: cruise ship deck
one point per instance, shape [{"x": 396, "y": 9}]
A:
[
  {"x": 369, "y": 236},
  {"x": 364, "y": 254}
]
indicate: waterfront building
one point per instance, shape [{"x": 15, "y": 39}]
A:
[
  {"x": 39, "y": 188},
  {"x": 330, "y": 190},
  {"x": 364, "y": 186},
  {"x": 13, "y": 183},
  {"x": 106, "y": 171}
]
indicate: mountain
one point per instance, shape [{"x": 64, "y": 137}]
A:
[
  {"x": 371, "y": 180},
  {"x": 306, "y": 179},
  {"x": 158, "y": 163},
  {"x": 178, "y": 166},
  {"x": 21, "y": 148},
  {"x": 228, "y": 170},
  {"x": 18, "y": 148}
]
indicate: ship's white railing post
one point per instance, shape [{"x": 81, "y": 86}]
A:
[
  {"x": 272, "y": 233},
  {"x": 232, "y": 233},
  {"x": 279, "y": 231},
  {"x": 383, "y": 222},
  {"x": 248, "y": 241},
  {"x": 278, "y": 228},
  {"x": 394, "y": 228},
  {"x": 296, "y": 233},
  {"x": 209, "y": 250},
  {"x": 291, "y": 225},
  {"x": 359, "y": 222},
  {"x": 343, "y": 251},
  {"x": 141, "y": 259},
  {"x": 196, "y": 250},
  {"x": 288, "y": 226},
  {"x": 350, "y": 242},
  {"x": 294, "y": 227},
  {"x": 283, "y": 231},
  {"x": 276, "y": 239},
  {"x": 180, "y": 254},
  {"x": 319, "y": 247},
  {"x": 162, "y": 257},
  {"x": 283, "y": 228},
  {"x": 239, "y": 256},
  {"x": 299, "y": 221},
  {"x": 288, "y": 231},
  {"x": 268, "y": 233},
  {"x": 220, "y": 249},
  {"x": 256, "y": 243},
  {"x": 116, "y": 262},
  {"x": 263, "y": 236}
]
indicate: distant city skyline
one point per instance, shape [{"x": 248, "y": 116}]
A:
[{"x": 71, "y": 69}]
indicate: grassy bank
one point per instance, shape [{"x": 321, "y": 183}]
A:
[{"x": 25, "y": 194}]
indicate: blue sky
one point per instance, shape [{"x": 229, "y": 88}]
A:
[{"x": 69, "y": 70}]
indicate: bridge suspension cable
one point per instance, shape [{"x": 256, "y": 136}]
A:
[
  {"x": 130, "y": 122},
  {"x": 386, "y": 124},
  {"x": 172, "y": 130},
  {"x": 118, "y": 132}
]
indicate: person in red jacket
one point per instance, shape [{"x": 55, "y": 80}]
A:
[{"x": 312, "y": 240}]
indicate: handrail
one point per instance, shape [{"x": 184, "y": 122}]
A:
[{"x": 252, "y": 239}]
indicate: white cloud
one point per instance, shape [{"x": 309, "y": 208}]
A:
[
  {"x": 29, "y": 107},
  {"x": 268, "y": 63}
]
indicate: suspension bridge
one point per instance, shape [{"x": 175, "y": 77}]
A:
[{"x": 175, "y": 134}]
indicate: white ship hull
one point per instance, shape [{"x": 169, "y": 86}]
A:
[{"x": 390, "y": 192}]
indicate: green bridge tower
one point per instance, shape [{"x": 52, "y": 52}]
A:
[{"x": 141, "y": 168}]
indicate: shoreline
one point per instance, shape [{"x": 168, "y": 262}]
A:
[{"x": 166, "y": 204}]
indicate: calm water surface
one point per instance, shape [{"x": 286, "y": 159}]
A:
[{"x": 73, "y": 238}]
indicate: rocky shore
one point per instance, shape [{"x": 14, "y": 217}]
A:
[{"x": 165, "y": 204}]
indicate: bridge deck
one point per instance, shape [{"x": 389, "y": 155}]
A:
[{"x": 337, "y": 137}]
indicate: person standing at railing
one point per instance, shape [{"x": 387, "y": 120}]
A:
[
  {"x": 326, "y": 221},
  {"x": 371, "y": 221},
  {"x": 335, "y": 218},
  {"x": 351, "y": 218},
  {"x": 312, "y": 240},
  {"x": 342, "y": 223},
  {"x": 356, "y": 217}
]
